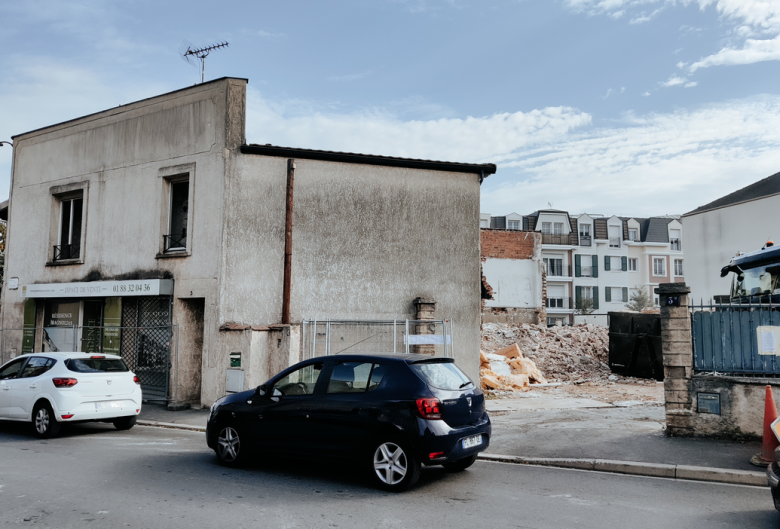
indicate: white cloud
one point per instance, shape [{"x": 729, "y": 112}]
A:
[
  {"x": 378, "y": 131},
  {"x": 752, "y": 51},
  {"x": 690, "y": 84},
  {"x": 654, "y": 164},
  {"x": 674, "y": 81}
]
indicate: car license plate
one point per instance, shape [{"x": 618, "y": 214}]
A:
[
  {"x": 108, "y": 404},
  {"x": 476, "y": 440}
]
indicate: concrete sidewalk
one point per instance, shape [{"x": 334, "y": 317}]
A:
[{"x": 578, "y": 433}]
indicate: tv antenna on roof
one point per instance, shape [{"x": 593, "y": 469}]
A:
[{"x": 188, "y": 53}]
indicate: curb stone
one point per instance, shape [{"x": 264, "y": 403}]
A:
[
  {"x": 176, "y": 426},
  {"x": 634, "y": 468}
]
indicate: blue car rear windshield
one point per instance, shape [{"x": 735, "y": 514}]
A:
[
  {"x": 442, "y": 375},
  {"x": 96, "y": 365}
]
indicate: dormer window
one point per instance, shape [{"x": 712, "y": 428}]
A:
[
  {"x": 514, "y": 224},
  {"x": 546, "y": 227},
  {"x": 674, "y": 240},
  {"x": 633, "y": 235},
  {"x": 558, "y": 228}
]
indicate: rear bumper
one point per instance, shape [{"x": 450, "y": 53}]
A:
[
  {"x": 101, "y": 410},
  {"x": 448, "y": 443}
]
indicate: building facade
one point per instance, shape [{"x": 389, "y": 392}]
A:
[
  {"x": 719, "y": 230},
  {"x": 155, "y": 227},
  {"x": 594, "y": 264}
]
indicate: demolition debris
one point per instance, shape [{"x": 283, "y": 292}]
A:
[{"x": 514, "y": 356}]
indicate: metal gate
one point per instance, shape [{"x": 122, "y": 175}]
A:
[
  {"x": 327, "y": 337},
  {"x": 635, "y": 345},
  {"x": 726, "y": 339}
]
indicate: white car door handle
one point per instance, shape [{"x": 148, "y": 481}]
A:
[
  {"x": 5, "y": 387},
  {"x": 33, "y": 386}
]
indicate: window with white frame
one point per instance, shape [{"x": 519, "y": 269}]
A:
[
  {"x": 546, "y": 227},
  {"x": 69, "y": 234},
  {"x": 659, "y": 266},
  {"x": 632, "y": 262},
  {"x": 633, "y": 234},
  {"x": 614, "y": 236},
  {"x": 586, "y": 268},
  {"x": 554, "y": 266},
  {"x": 616, "y": 294},
  {"x": 514, "y": 224},
  {"x": 586, "y": 292},
  {"x": 484, "y": 223},
  {"x": 558, "y": 228},
  {"x": 615, "y": 264},
  {"x": 556, "y": 297},
  {"x": 678, "y": 267},
  {"x": 674, "y": 240}
]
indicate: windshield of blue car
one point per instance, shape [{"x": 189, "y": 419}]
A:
[{"x": 442, "y": 375}]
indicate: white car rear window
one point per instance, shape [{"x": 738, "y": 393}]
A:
[{"x": 96, "y": 365}]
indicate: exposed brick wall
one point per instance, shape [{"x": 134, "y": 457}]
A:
[{"x": 508, "y": 244}]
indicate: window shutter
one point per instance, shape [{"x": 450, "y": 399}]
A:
[
  {"x": 625, "y": 294},
  {"x": 595, "y": 266},
  {"x": 596, "y": 298},
  {"x": 578, "y": 296},
  {"x": 577, "y": 266},
  {"x": 624, "y": 263},
  {"x": 608, "y": 294},
  {"x": 606, "y": 263}
]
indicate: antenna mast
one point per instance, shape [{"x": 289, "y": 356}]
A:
[{"x": 202, "y": 53}]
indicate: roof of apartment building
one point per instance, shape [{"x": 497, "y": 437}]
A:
[
  {"x": 763, "y": 188},
  {"x": 483, "y": 169}
]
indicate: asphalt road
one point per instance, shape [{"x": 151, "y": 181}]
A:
[{"x": 95, "y": 476}]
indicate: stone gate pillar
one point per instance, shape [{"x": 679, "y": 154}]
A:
[{"x": 677, "y": 348}]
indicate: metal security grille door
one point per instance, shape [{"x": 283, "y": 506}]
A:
[{"x": 145, "y": 344}]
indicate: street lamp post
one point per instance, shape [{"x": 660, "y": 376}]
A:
[{"x": 7, "y": 143}]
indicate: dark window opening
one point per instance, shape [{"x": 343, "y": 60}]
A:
[
  {"x": 71, "y": 214},
  {"x": 177, "y": 233}
]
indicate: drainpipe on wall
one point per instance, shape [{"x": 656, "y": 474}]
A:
[{"x": 288, "y": 243}]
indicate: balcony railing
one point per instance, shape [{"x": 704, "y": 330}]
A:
[
  {"x": 675, "y": 244},
  {"x": 558, "y": 238},
  {"x": 558, "y": 270},
  {"x": 64, "y": 252},
  {"x": 174, "y": 242},
  {"x": 614, "y": 242},
  {"x": 558, "y": 303},
  {"x": 585, "y": 240}
]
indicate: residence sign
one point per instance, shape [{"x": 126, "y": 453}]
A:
[{"x": 100, "y": 289}]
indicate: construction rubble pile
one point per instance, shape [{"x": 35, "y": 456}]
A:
[{"x": 515, "y": 356}]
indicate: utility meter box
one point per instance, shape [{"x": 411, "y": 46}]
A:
[{"x": 235, "y": 381}]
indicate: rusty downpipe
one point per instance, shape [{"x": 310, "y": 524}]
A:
[{"x": 288, "y": 243}]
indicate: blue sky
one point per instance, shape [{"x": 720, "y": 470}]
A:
[{"x": 633, "y": 107}]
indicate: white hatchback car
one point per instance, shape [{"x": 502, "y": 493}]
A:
[{"x": 51, "y": 389}]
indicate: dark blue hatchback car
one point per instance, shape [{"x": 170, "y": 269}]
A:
[{"x": 393, "y": 412}]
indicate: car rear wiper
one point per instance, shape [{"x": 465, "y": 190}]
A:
[{"x": 464, "y": 384}]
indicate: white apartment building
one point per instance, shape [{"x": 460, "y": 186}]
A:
[{"x": 602, "y": 259}]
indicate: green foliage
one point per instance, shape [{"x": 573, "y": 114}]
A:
[
  {"x": 585, "y": 306},
  {"x": 639, "y": 300}
]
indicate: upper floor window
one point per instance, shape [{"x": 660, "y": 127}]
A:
[
  {"x": 554, "y": 266},
  {"x": 514, "y": 224},
  {"x": 674, "y": 239},
  {"x": 546, "y": 227},
  {"x": 176, "y": 239},
  {"x": 584, "y": 230},
  {"x": 69, "y": 234},
  {"x": 678, "y": 267},
  {"x": 633, "y": 235},
  {"x": 614, "y": 236},
  {"x": 632, "y": 264},
  {"x": 615, "y": 263},
  {"x": 659, "y": 266},
  {"x": 484, "y": 223},
  {"x": 558, "y": 228}
]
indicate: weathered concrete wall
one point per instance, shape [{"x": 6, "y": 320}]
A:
[
  {"x": 741, "y": 406},
  {"x": 120, "y": 159},
  {"x": 512, "y": 315},
  {"x": 367, "y": 241}
]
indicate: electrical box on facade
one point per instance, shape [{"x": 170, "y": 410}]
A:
[
  {"x": 708, "y": 403},
  {"x": 235, "y": 381}
]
